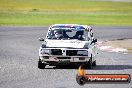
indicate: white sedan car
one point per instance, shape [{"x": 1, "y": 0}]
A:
[{"x": 68, "y": 44}]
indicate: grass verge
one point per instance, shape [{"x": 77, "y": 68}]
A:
[{"x": 46, "y": 12}]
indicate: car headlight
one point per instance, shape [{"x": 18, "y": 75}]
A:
[
  {"x": 82, "y": 52},
  {"x": 45, "y": 51}
]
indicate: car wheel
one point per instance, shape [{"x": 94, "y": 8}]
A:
[
  {"x": 90, "y": 63},
  {"x": 94, "y": 63},
  {"x": 41, "y": 65}
]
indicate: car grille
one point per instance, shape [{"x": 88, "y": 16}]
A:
[
  {"x": 56, "y": 51},
  {"x": 71, "y": 52}
]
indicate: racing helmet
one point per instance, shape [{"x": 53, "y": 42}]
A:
[{"x": 58, "y": 33}]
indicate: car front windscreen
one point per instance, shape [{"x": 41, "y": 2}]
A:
[{"x": 67, "y": 34}]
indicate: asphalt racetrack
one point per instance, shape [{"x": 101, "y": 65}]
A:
[{"x": 19, "y": 55}]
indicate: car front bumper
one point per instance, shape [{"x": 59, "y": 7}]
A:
[
  {"x": 54, "y": 60},
  {"x": 53, "y": 63}
]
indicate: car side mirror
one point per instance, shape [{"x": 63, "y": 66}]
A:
[
  {"x": 94, "y": 41},
  {"x": 41, "y": 39}
]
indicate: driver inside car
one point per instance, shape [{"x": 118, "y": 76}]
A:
[{"x": 58, "y": 34}]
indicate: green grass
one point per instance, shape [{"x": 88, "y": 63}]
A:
[{"x": 47, "y": 12}]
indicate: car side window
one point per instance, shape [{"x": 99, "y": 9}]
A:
[
  {"x": 50, "y": 34},
  {"x": 91, "y": 34}
]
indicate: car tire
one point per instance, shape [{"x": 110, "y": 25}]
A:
[
  {"x": 88, "y": 65},
  {"x": 41, "y": 65},
  {"x": 90, "y": 62},
  {"x": 94, "y": 63}
]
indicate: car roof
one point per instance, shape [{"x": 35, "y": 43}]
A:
[{"x": 71, "y": 26}]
